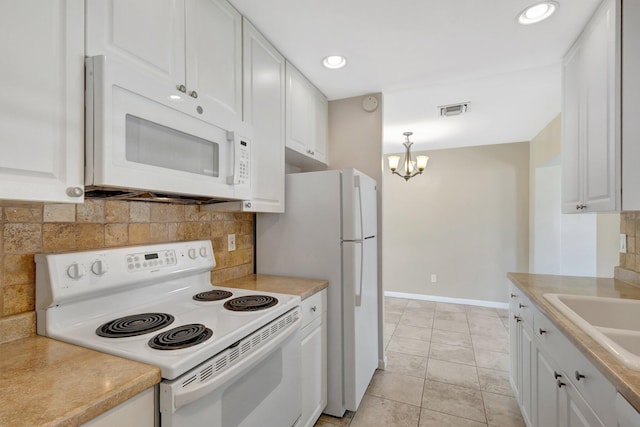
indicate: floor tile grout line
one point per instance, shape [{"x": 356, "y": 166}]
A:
[{"x": 428, "y": 359}]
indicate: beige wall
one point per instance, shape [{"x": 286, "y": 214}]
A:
[
  {"x": 466, "y": 219},
  {"x": 27, "y": 229},
  {"x": 547, "y": 144}
]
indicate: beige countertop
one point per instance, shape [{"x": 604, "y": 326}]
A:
[
  {"x": 44, "y": 382},
  {"x": 279, "y": 284},
  {"x": 625, "y": 380}
]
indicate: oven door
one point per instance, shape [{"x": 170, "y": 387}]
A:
[
  {"x": 141, "y": 138},
  {"x": 260, "y": 389}
]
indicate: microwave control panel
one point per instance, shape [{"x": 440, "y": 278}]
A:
[
  {"x": 244, "y": 164},
  {"x": 241, "y": 174}
]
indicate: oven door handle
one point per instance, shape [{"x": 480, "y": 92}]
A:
[{"x": 170, "y": 400}]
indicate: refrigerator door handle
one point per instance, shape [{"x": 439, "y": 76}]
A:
[
  {"x": 359, "y": 292},
  {"x": 356, "y": 184}
]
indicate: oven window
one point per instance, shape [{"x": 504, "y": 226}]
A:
[{"x": 156, "y": 145}]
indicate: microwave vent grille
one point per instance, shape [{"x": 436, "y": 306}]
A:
[{"x": 147, "y": 196}]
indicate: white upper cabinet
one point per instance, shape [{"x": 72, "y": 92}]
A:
[
  {"x": 601, "y": 105},
  {"x": 307, "y": 121},
  {"x": 42, "y": 106},
  {"x": 591, "y": 116},
  {"x": 214, "y": 58},
  {"x": 263, "y": 110},
  {"x": 148, "y": 34},
  {"x": 631, "y": 105},
  {"x": 192, "y": 48}
]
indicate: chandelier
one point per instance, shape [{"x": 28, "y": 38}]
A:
[{"x": 410, "y": 167}]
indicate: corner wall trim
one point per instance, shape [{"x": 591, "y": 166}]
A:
[{"x": 481, "y": 303}]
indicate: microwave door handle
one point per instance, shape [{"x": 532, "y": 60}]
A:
[{"x": 231, "y": 179}]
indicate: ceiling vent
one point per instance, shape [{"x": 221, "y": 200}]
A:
[{"x": 454, "y": 109}]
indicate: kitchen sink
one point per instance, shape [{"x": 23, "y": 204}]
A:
[{"x": 612, "y": 322}]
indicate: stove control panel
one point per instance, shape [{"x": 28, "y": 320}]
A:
[
  {"x": 147, "y": 260},
  {"x": 74, "y": 275}
]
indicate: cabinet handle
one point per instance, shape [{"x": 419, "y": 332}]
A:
[
  {"x": 193, "y": 94},
  {"x": 311, "y": 152},
  {"x": 518, "y": 319},
  {"x": 521, "y": 305},
  {"x": 75, "y": 191},
  {"x": 181, "y": 88},
  {"x": 556, "y": 375},
  {"x": 579, "y": 376},
  {"x": 247, "y": 205},
  {"x": 580, "y": 206},
  {"x": 560, "y": 383},
  {"x": 313, "y": 308},
  {"x": 513, "y": 295},
  {"x": 542, "y": 331}
]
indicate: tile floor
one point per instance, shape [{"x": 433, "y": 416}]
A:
[{"x": 448, "y": 365}]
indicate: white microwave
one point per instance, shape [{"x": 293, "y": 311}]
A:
[{"x": 141, "y": 139}]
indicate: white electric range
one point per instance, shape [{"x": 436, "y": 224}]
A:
[{"x": 156, "y": 304}]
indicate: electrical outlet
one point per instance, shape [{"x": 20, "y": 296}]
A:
[
  {"x": 231, "y": 240},
  {"x": 434, "y": 278},
  {"x": 623, "y": 243}
]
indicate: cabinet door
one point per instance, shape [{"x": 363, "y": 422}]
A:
[
  {"x": 147, "y": 34},
  {"x": 575, "y": 411},
  {"x": 264, "y": 109},
  {"x": 545, "y": 391},
  {"x": 599, "y": 66},
  {"x": 299, "y": 112},
  {"x": 526, "y": 350},
  {"x": 321, "y": 126},
  {"x": 571, "y": 132},
  {"x": 42, "y": 107},
  {"x": 514, "y": 350},
  {"x": 591, "y": 155},
  {"x": 314, "y": 372},
  {"x": 214, "y": 60}
]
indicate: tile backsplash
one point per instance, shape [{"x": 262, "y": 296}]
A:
[
  {"x": 27, "y": 229},
  {"x": 630, "y": 225}
]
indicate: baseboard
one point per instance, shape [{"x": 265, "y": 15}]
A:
[
  {"x": 382, "y": 363},
  {"x": 480, "y": 303}
]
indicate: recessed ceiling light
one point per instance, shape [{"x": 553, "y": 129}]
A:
[
  {"x": 537, "y": 12},
  {"x": 334, "y": 61}
]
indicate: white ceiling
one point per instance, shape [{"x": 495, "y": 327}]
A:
[{"x": 424, "y": 53}]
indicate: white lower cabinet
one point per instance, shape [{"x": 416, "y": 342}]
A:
[
  {"x": 521, "y": 350},
  {"x": 139, "y": 411},
  {"x": 314, "y": 358},
  {"x": 626, "y": 415},
  {"x": 555, "y": 384}
]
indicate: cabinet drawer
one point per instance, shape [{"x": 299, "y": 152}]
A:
[
  {"x": 596, "y": 390},
  {"x": 520, "y": 305},
  {"x": 548, "y": 335},
  {"x": 313, "y": 307}
]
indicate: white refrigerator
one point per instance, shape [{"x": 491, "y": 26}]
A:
[{"x": 328, "y": 231}]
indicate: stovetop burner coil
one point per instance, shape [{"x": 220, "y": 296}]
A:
[
  {"x": 214, "y": 295},
  {"x": 134, "y": 325},
  {"x": 181, "y": 337},
  {"x": 251, "y": 303}
]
